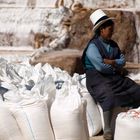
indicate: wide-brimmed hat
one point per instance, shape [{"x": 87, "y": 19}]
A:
[{"x": 98, "y": 17}]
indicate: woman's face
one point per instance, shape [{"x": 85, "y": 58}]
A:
[{"x": 106, "y": 33}]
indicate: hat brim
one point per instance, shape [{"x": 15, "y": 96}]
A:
[{"x": 101, "y": 22}]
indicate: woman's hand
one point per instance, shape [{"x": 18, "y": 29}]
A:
[{"x": 109, "y": 61}]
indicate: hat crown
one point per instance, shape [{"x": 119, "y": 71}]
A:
[{"x": 97, "y": 15}]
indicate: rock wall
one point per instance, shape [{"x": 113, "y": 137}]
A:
[{"x": 21, "y": 20}]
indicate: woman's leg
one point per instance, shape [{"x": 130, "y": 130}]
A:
[
  {"x": 108, "y": 135},
  {"x": 133, "y": 90},
  {"x": 100, "y": 89}
]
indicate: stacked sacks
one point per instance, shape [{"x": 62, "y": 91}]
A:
[
  {"x": 29, "y": 102},
  {"x": 128, "y": 125},
  {"x": 32, "y": 89}
]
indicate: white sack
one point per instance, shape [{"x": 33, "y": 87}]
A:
[
  {"x": 37, "y": 73},
  {"x": 8, "y": 86},
  {"x": 45, "y": 89},
  {"x": 68, "y": 116},
  {"x": 62, "y": 75},
  {"x": 24, "y": 71},
  {"x": 9, "y": 129},
  {"x": 48, "y": 69},
  {"x": 12, "y": 96},
  {"x": 12, "y": 74},
  {"x": 128, "y": 125},
  {"x": 92, "y": 113},
  {"x": 33, "y": 120}
]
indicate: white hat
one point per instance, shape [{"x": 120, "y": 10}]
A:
[{"x": 98, "y": 17}]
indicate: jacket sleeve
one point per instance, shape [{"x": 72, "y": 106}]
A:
[
  {"x": 120, "y": 62},
  {"x": 96, "y": 59}
]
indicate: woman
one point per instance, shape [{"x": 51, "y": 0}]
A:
[{"x": 103, "y": 61}]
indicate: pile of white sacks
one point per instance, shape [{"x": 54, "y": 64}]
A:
[{"x": 45, "y": 103}]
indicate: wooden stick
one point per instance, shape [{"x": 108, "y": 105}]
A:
[{"x": 131, "y": 65}]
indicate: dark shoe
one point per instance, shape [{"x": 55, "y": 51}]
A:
[{"x": 108, "y": 136}]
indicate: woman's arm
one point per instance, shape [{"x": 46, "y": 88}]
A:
[
  {"x": 97, "y": 61},
  {"x": 117, "y": 63}
]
